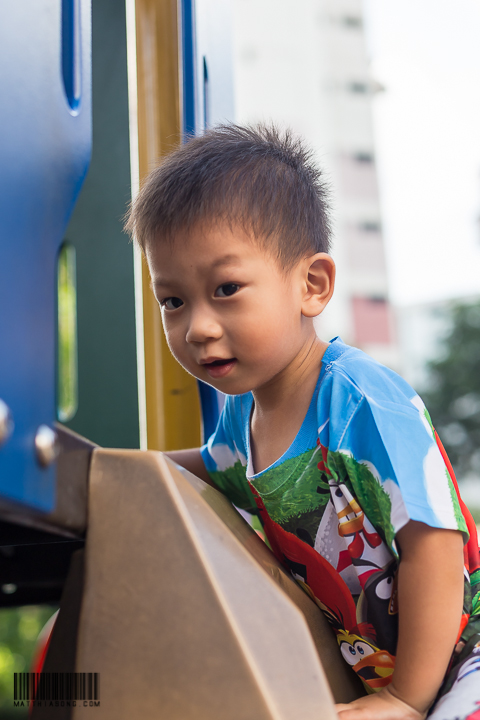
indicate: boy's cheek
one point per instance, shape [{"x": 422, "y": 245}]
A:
[
  {"x": 173, "y": 342},
  {"x": 180, "y": 352}
]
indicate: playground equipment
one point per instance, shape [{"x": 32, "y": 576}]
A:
[{"x": 165, "y": 591}]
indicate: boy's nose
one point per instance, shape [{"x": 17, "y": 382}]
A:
[{"x": 202, "y": 327}]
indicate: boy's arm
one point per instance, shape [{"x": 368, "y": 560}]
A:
[
  {"x": 430, "y": 597},
  {"x": 191, "y": 460},
  {"x": 431, "y": 588}
]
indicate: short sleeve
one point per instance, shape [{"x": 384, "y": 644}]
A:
[
  {"x": 224, "y": 455},
  {"x": 381, "y": 437}
]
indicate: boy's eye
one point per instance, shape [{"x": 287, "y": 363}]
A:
[
  {"x": 226, "y": 290},
  {"x": 171, "y": 303}
]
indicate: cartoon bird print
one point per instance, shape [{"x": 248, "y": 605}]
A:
[
  {"x": 359, "y": 648},
  {"x": 351, "y": 520},
  {"x": 366, "y": 549},
  {"x": 373, "y": 666},
  {"x": 378, "y": 603}
]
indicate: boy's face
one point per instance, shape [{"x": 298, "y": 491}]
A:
[{"x": 232, "y": 318}]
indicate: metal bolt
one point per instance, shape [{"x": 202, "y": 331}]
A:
[
  {"x": 46, "y": 445},
  {"x": 6, "y": 422}
]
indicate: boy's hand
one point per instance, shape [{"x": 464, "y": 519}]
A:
[{"x": 381, "y": 706}]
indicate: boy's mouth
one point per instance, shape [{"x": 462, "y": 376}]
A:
[{"x": 219, "y": 367}]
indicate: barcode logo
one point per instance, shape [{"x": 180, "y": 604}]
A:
[{"x": 56, "y": 686}]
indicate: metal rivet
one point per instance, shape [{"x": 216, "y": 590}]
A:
[
  {"x": 6, "y": 422},
  {"x": 46, "y": 445},
  {"x": 9, "y": 588}
]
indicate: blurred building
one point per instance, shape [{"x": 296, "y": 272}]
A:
[
  {"x": 304, "y": 65},
  {"x": 420, "y": 329}
]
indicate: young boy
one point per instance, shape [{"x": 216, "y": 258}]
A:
[{"x": 336, "y": 452}]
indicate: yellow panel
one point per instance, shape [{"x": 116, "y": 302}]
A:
[{"x": 172, "y": 401}]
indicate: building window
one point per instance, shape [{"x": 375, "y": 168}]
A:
[
  {"x": 370, "y": 226},
  {"x": 363, "y": 157},
  {"x": 352, "y": 21},
  {"x": 371, "y": 320},
  {"x": 360, "y": 88}
]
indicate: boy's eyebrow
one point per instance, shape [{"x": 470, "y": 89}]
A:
[
  {"x": 229, "y": 259},
  {"x": 225, "y": 260}
]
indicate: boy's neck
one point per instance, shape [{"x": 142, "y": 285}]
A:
[
  {"x": 294, "y": 380},
  {"x": 281, "y": 405}
]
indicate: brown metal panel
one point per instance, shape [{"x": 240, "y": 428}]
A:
[
  {"x": 344, "y": 684},
  {"x": 181, "y": 615},
  {"x": 170, "y": 391}
]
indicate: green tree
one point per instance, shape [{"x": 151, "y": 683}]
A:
[
  {"x": 453, "y": 393},
  {"x": 19, "y": 629}
]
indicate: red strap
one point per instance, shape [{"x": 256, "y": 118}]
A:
[{"x": 471, "y": 551}]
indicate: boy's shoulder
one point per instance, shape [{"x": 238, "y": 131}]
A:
[
  {"x": 363, "y": 406},
  {"x": 362, "y": 375}
]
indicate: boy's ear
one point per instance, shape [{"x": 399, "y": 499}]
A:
[{"x": 319, "y": 279}]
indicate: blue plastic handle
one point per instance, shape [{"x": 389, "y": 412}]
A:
[{"x": 71, "y": 52}]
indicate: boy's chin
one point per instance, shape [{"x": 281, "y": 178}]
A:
[{"x": 227, "y": 385}]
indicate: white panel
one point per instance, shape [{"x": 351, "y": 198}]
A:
[{"x": 214, "y": 43}]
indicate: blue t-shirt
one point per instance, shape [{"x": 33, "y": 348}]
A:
[{"x": 364, "y": 462}]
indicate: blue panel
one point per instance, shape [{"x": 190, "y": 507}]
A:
[
  {"x": 212, "y": 403},
  {"x": 45, "y": 145},
  {"x": 71, "y": 52},
  {"x": 189, "y": 67}
]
